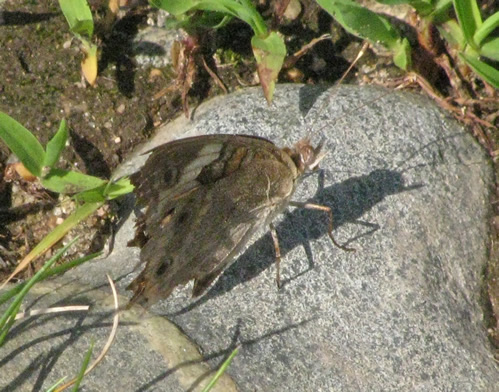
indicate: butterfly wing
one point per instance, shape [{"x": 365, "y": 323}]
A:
[{"x": 204, "y": 196}]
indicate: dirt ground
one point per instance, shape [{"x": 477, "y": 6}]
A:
[{"x": 41, "y": 83}]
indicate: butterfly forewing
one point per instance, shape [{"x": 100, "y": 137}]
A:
[{"x": 205, "y": 197}]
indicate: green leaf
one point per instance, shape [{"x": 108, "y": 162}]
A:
[
  {"x": 54, "y": 386},
  {"x": 485, "y": 71},
  {"x": 204, "y": 20},
  {"x": 402, "y": 55},
  {"x": 178, "y": 7},
  {"x": 452, "y": 33},
  {"x": 366, "y": 24},
  {"x": 69, "y": 182},
  {"x": 223, "y": 22},
  {"x": 57, "y": 270},
  {"x": 55, "y": 235},
  {"x": 56, "y": 145},
  {"x": 361, "y": 22},
  {"x": 7, "y": 318},
  {"x": 119, "y": 188},
  {"x": 221, "y": 371},
  {"x": 78, "y": 15},
  {"x": 22, "y": 143},
  {"x": 441, "y": 11},
  {"x": 174, "y": 7},
  {"x": 5, "y": 327},
  {"x": 490, "y": 48},
  {"x": 60, "y": 231},
  {"x": 83, "y": 368},
  {"x": 107, "y": 191},
  {"x": 269, "y": 53},
  {"x": 241, "y": 9},
  {"x": 470, "y": 20},
  {"x": 92, "y": 195},
  {"x": 488, "y": 26}
]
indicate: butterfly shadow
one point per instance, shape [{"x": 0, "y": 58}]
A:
[
  {"x": 348, "y": 200},
  {"x": 309, "y": 96},
  {"x": 237, "y": 341}
]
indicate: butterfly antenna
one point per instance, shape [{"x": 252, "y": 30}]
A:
[
  {"x": 340, "y": 81},
  {"x": 359, "y": 55}
]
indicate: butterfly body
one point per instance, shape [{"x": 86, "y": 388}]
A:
[{"x": 205, "y": 197}]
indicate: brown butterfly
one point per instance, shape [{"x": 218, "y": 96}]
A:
[{"x": 204, "y": 198}]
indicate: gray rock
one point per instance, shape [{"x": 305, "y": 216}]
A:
[
  {"x": 147, "y": 353},
  {"x": 152, "y": 46},
  {"x": 409, "y": 190}
]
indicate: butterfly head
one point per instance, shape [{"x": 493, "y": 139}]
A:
[{"x": 305, "y": 156}]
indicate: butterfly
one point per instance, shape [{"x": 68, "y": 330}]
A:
[{"x": 204, "y": 198}]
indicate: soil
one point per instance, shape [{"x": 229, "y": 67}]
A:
[{"x": 41, "y": 83}]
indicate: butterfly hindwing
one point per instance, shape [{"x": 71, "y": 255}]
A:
[{"x": 205, "y": 197}]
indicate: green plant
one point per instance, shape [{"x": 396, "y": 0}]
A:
[
  {"x": 472, "y": 37},
  {"x": 268, "y": 46},
  {"x": 52, "y": 271},
  {"x": 89, "y": 191},
  {"x": 41, "y": 163},
  {"x": 83, "y": 368},
  {"x": 53, "y": 387},
  {"x": 81, "y": 24},
  {"x": 21, "y": 290},
  {"x": 369, "y": 25},
  {"x": 221, "y": 371},
  {"x": 18, "y": 293}
]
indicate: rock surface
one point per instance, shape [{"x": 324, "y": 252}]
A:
[{"x": 409, "y": 190}]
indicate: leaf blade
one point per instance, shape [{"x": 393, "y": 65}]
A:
[{"x": 22, "y": 143}]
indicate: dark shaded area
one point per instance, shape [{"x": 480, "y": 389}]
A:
[
  {"x": 117, "y": 50},
  {"x": 13, "y": 18},
  {"x": 44, "y": 363},
  {"x": 92, "y": 157},
  {"x": 236, "y": 341},
  {"x": 348, "y": 200},
  {"x": 16, "y": 213},
  {"x": 308, "y": 98},
  {"x": 75, "y": 326}
]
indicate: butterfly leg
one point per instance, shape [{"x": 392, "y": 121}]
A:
[
  {"x": 275, "y": 239},
  {"x": 319, "y": 207}
]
